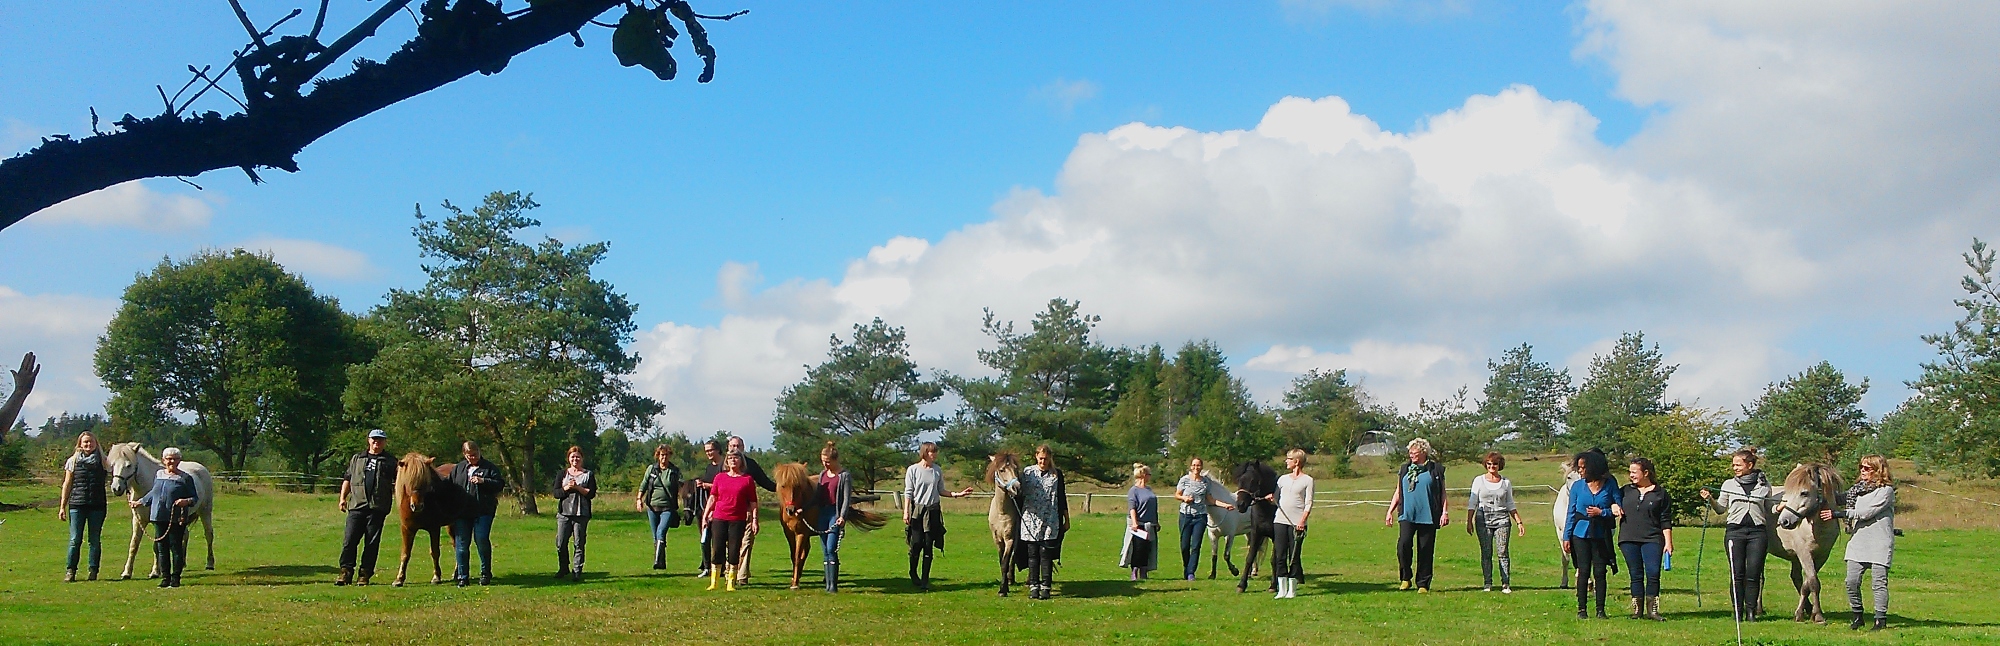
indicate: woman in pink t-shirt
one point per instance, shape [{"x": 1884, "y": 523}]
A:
[{"x": 732, "y": 510}]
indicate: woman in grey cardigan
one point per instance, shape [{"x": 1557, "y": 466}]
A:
[
  {"x": 574, "y": 488},
  {"x": 836, "y": 485},
  {"x": 1871, "y": 518}
]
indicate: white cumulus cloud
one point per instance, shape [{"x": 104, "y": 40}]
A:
[
  {"x": 131, "y": 204},
  {"x": 317, "y": 260},
  {"x": 62, "y": 331}
]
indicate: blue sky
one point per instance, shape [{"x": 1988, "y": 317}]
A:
[{"x": 832, "y": 129}]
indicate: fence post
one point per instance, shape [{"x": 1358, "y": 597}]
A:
[{"x": 1086, "y": 503}]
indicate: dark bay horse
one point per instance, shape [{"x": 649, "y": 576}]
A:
[
  {"x": 1256, "y": 490},
  {"x": 426, "y": 500},
  {"x": 800, "y": 503}
]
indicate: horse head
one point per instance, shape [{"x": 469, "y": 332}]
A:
[
  {"x": 123, "y": 463},
  {"x": 1254, "y": 481},
  {"x": 795, "y": 489},
  {"x": 414, "y": 477},
  {"x": 1808, "y": 489},
  {"x": 1003, "y": 469}
]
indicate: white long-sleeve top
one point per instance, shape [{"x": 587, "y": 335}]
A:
[
  {"x": 1490, "y": 496},
  {"x": 1294, "y": 498}
]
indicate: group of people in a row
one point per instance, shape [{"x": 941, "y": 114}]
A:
[{"x": 1636, "y": 517}]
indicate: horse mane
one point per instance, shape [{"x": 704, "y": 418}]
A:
[
  {"x": 791, "y": 475},
  {"x": 1257, "y": 473},
  {"x": 1003, "y": 457},
  {"x": 415, "y": 472},
  {"x": 1813, "y": 475}
]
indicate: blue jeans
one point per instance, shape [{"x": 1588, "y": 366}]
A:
[
  {"x": 465, "y": 532},
  {"x": 82, "y": 524},
  {"x": 1642, "y": 562},
  {"x": 829, "y": 543},
  {"x": 1193, "y": 528},
  {"x": 659, "y": 520}
]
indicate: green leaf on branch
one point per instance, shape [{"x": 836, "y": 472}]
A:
[{"x": 638, "y": 41}]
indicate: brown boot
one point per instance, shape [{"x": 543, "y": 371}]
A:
[
  {"x": 1638, "y": 607},
  {"x": 363, "y": 580},
  {"x": 346, "y": 576},
  {"x": 1653, "y": 609}
]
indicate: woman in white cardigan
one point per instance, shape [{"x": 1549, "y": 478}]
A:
[{"x": 1871, "y": 518}]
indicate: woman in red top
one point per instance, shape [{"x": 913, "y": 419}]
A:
[{"x": 732, "y": 510}]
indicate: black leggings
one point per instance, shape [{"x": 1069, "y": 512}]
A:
[
  {"x": 1285, "y": 546},
  {"x": 170, "y": 550},
  {"x": 1591, "y": 556},
  {"x": 1041, "y": 562},
  {"x": 725, "y": 541},
  {"x": 1746, "y": 559},
  {"x": 1423, "y": 538}
]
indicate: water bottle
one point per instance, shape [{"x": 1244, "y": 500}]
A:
[{"x": 1667, "y": 561}]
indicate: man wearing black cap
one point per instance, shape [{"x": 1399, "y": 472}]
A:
[{"x": 373, "y": 476}]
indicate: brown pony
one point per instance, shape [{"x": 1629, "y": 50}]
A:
[
  {"x": 799, "y": 501},
  {"x": 426, "y": 500}
]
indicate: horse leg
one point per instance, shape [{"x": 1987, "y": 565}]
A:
[
  {"x": 1006, "y": 564},
  {"x": 138, "y": 526},
  {"x": 208, "y": 532},
  {"x": 437, "y": 569},
  {"x": 796, "y": 540},
  {"x": 409, "y": 536}
]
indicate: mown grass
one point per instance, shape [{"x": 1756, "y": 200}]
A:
[{"x": 275, "y": 556}]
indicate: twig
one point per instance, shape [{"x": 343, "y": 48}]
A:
[
  {"x": 164, "y": 99},
  {"x": 244, "y": 18},
  {"x": 185, "y": 181},
  {"x": 319, "y": 21},
  {"x": 722, "y": 17},
  {"x": 288, "y": 17},
  {"x": 93, "y": 115},
  {"x": 212, "y": 85},
  {"x": 184, "y": 87},
  {"x": 311, "y": 67}
]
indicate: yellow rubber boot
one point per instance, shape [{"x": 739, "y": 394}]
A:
[
  {"x": 714, "y": 577},
  {"x": 730, "y": 580}
]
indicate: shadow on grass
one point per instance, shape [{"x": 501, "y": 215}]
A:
[
  {"x": 286, "y": 575},
  {"x": 1313, "y": 585}
]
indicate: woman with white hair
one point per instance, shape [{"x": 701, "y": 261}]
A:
[
  {"x": 1418, "y": 510},
  {"x": 169, "y": 503}
]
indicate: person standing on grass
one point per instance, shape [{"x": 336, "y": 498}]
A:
[
  {"x": 1490, "y": 513},
  {"x": 698, "y": 502},
  {"x": 1044, "y": 520},
  {"x": 482, "y": 483},
  {"x": 923, "y": 517},
  {"x": 656, "y": 498},
  {"x": 1295, "y": 492},
  {"x": 1418, "y": 510},
  {"x": 367, "y": 493},
  {"x": 574, "y": 488},
  {"x": 1587, "y": 527},
  {"x": 1871, "y": 519},
  {"x": 1745, "y": 506},
  {"x": 85, "y": 475},
  {"x": 1645, "y": 535},
  {"x": 731, "y": 513},
  {"x": 836, "y": 487},
  {"x": 168, "y": 505},
  {"x": 756, "y": 473},
  {"x": 1142, "y": 525},
  {"x": 1195, "y": 496}
]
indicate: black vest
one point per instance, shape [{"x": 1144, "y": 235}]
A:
[{"x": 86, "y": 484}]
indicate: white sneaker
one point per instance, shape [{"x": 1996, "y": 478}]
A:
[
  {"x": 1486, "y": 589},
  {"x": 1507, "y": 590}
]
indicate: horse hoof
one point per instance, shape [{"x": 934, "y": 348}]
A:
[
  {"x": 398, "y": 583},
  {"x": 795, "y": 586}
]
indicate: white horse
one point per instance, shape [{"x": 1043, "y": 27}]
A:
[
  {"x": 1224, "y": 525},
  {"x": 132, "y": 470},
  {"x": 1570, "y": 476}
]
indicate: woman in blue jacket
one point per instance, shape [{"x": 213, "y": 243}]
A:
[
  {"x": 1587, "y": 528},
  {"x": 167, "y": 507}
]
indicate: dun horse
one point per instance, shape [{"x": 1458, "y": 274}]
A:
[
  {"x": 132, "y": 470},
  {"x": 1003, "y": 517},
  {"x": 800, "y": 503},
  {"x": 425, "y": 501},
  {"x": 1801, "y": 537}
]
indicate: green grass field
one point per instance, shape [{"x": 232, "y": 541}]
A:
[{"x": 276, "y": 551}]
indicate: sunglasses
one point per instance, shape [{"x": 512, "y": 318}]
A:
[{"x": 1867, "y": 468}]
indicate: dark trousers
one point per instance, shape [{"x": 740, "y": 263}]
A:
[
  {"x": 1416, "y": 543},
  {"x": 1041, "y": 562},
  {"x": 706, "y": 534},
  {"x": 1747, "y": 544},
  {"x": 1591, "y": 556},
  {"x": 467, "y": 533},
  {"x": 725, "y": 542},
  {"x": 364, "y": 530},
  {"x": 1642, "y": 562},
  {"x": 1193, "y": 528},
  {"x": 1285, "y": 552},
  {"x": 170, "y": 550}
]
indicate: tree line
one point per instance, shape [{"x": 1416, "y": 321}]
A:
[{"x": 517, "y": 345}]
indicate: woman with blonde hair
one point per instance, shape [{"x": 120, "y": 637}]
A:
[
  {"x": 1417, "y": 509},
  {"x": 1142, "y": 525},
  {"x": 1871, "y": 519},
  {"x": 84, "y": 478},
  {"x": 1295, "y": 491},
  {"x": 836, "y": 487}
]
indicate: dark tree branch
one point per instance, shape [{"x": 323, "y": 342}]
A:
[{"x": 451, "y": 43}]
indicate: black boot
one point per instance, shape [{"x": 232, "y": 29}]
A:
[
  {"x": 659, "y": 555},
  {"x": 1881, "y": 622},
  {"x": 1859, "y": 621},
  {"x": 927, "y": 573}
]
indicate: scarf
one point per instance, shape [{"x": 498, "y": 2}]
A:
[
  {"x": 1750, "y": 481},
  {"x": 1861, "y": 488}
]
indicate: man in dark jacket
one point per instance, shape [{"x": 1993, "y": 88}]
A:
[
  {"x": 367, "y": 493},
  {"x": 764, "y": 482},
  {"x": 482, "y": 483},
  {"x": 698, "y": 499}
]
